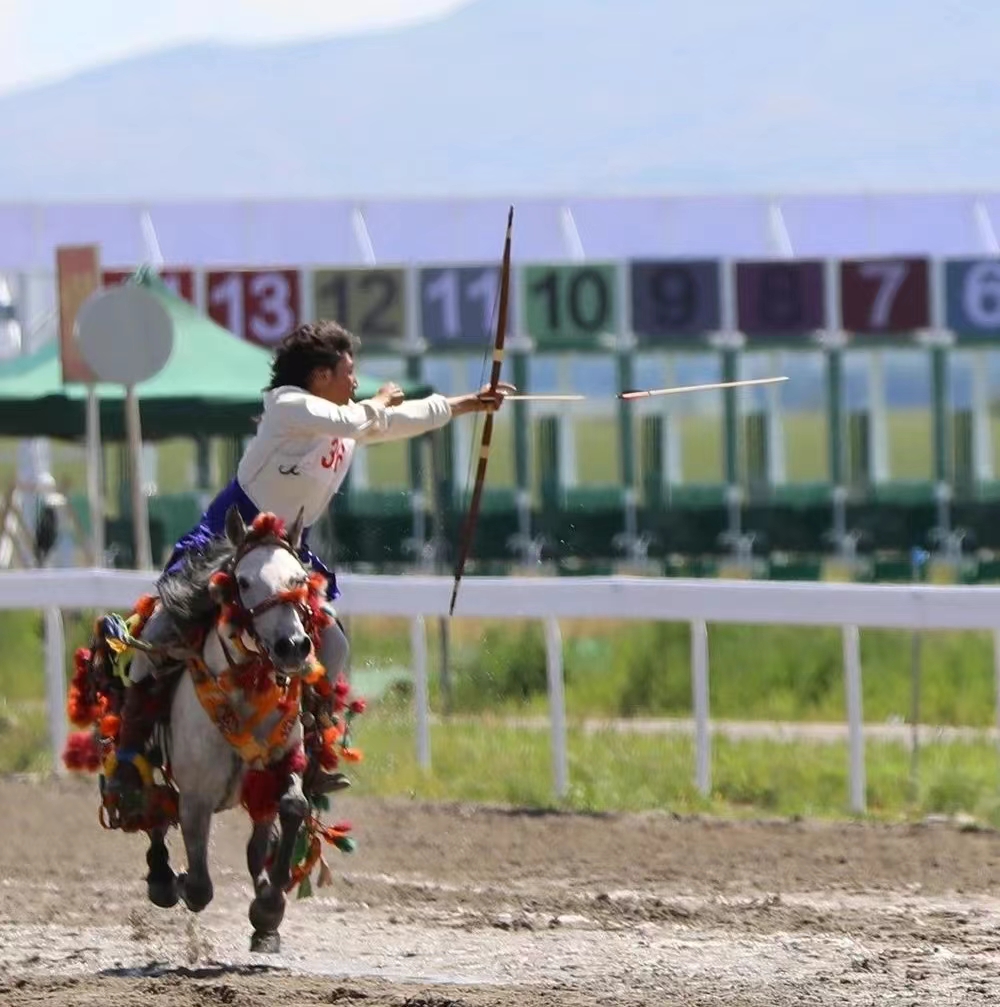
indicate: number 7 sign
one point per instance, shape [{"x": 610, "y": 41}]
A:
[{"x": 884, "y": 295}]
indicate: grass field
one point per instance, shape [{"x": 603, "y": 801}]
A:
[
  {"x": 598, "y": 455},
  {"x": 619, "y": 670},
  {"x": 498, "y": 668}
]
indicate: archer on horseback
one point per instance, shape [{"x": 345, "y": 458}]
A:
[{"x": 298, "y": 459}]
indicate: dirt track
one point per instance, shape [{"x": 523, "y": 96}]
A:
[{"x": 467, "y": 906}]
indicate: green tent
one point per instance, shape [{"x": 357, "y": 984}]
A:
[{"x": 211, "y": 385}]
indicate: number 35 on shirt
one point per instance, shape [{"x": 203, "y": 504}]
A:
[{"x": 259, "y": 305}]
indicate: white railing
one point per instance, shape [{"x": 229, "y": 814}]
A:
[{"x": 698, "y": 602}]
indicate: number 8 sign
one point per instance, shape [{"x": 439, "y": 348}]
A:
[
  {"x": 260, "y": 306},
  {"x": 972, "y": 298}
]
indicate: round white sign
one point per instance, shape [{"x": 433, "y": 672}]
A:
[{"x": 125, "y": 334}]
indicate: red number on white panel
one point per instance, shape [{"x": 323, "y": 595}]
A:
[
  {"x": 272, "y": 305},
  {"x": 180, "y": 281},
  {"x": 258, "y": 306}
]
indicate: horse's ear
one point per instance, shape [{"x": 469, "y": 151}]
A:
[
  {"x": 236, "y": 530},
  {"x": 295, "y": 532}
]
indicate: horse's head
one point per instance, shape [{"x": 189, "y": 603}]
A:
[{"x": 266, "y": 588}]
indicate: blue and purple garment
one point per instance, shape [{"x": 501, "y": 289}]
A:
[{"x": 213, "y": 525}]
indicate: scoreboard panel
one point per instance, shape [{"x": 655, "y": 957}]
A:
[
  {"x": 180, "y": 281},
  {"x": 780, "y": 302},
  {"x": 885, "y": 296},
  {"x": 458, "y": 305},
  {"x": 972, "y": 299},
  {"x": 259, "y": 305},
  {"x": 674, "y": 303},
  {"x": 371, "y": 302},
  {"x": 570, "y": 307}
]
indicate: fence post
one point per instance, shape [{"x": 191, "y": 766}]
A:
[
  {"x": 421, "y": 697},
  {"x": 55, "y": 685},
  {"x": 996, "y": 682},
  {"x": 557, "y": 705},
  {"x": 699, "y": 693},
  {"x": 855, "y": 726}
]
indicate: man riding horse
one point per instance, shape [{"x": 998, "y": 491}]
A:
[{"x": 297, "y": 460}]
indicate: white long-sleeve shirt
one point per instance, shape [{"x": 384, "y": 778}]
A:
[{"x": 304, "y": 446}]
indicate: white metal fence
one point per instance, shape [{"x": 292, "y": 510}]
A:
[{"x": 697, "y": 602}]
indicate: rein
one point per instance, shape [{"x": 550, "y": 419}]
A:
[{"x": 236, "y": 613}]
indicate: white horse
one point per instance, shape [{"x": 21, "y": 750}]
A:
[{"x": 264, "y": 624}]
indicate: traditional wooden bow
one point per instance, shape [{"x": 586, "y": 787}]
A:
[{"x": 484, "y": 447}]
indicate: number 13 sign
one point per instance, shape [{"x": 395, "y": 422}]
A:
[
  {"x": 260, "y": 306},
  {"x": 884, "y": 295}
]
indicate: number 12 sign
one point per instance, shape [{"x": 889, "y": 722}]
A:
[
  {"x": 881, "y": 296},
  {"x": 260, "y": 306}
]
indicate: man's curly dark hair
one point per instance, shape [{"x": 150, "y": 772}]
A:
[{"x": 311, "y": 345}]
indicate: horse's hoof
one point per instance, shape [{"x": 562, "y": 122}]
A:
[
  {"x": 163, "y": 893},
  {"x": 196, "y": 897},
  {"x": 265, "y": 942}
]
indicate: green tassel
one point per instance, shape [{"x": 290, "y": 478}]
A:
[
  {"x": 321, "y": 801},
  {"x": 345, "y": 844},
  {"x": 301, "y": 846},
  {"x": 305, "y": 888}
]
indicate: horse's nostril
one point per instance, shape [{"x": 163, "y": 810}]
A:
[{"x": 292, "y": 648}]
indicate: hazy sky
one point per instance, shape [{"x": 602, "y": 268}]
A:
[{"x": 45, "y": 39}]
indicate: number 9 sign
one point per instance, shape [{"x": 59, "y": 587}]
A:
[
  {"x": 261, "y": 306},
  {"x": 972, "y": 297}
]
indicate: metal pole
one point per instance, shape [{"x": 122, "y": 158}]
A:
[
  {"x": 140, "y": 514},
  {"x": 55, "y": 685},
  {"x": 95, "y": 497},
  {"x": 699, "y": 690},
  {"x": 557, "y": 706},
  {"x": 855, "y": 726},
  {"x": 421, "y": 699}
]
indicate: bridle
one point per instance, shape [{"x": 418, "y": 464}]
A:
[{"x": 236, "y": 613}]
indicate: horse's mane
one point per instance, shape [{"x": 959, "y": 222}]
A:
[{"x": 184, "y": 592}]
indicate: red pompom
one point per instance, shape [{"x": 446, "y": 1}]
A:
[
  {"x": 265, "y": 524},
  {"x": 263, "y": 787},
  {"x": 358, "y": 706},
  {"x": 81, "y": 753}
]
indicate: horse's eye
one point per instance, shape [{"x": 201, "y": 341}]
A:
[{"x": 242, "y": 583}]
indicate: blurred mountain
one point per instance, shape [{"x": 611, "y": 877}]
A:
[{"x": 536, "y": 96}]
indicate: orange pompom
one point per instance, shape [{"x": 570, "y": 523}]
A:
[{"x": 110, "y": 725}]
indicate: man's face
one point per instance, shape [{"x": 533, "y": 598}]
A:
[{"x": 336, "y": 385}]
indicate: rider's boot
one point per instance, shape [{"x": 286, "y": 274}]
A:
[
  {"x": 316, "y": 780},
  {"x": 130, "y": 777}
]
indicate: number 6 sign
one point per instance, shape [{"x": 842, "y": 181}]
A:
[
  {"x": 972, "y": 296},
  {"x": 260, "y": 306},
  {"x": 884, "y": 295}
]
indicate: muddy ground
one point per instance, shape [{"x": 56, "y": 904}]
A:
[{"x": 458, "y": 905}]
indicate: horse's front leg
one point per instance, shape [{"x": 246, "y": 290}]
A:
[
  {"x": 195, "y": 887},
  {"x": 268, "y": 908},
  {"x": 161, "y": 882}
]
